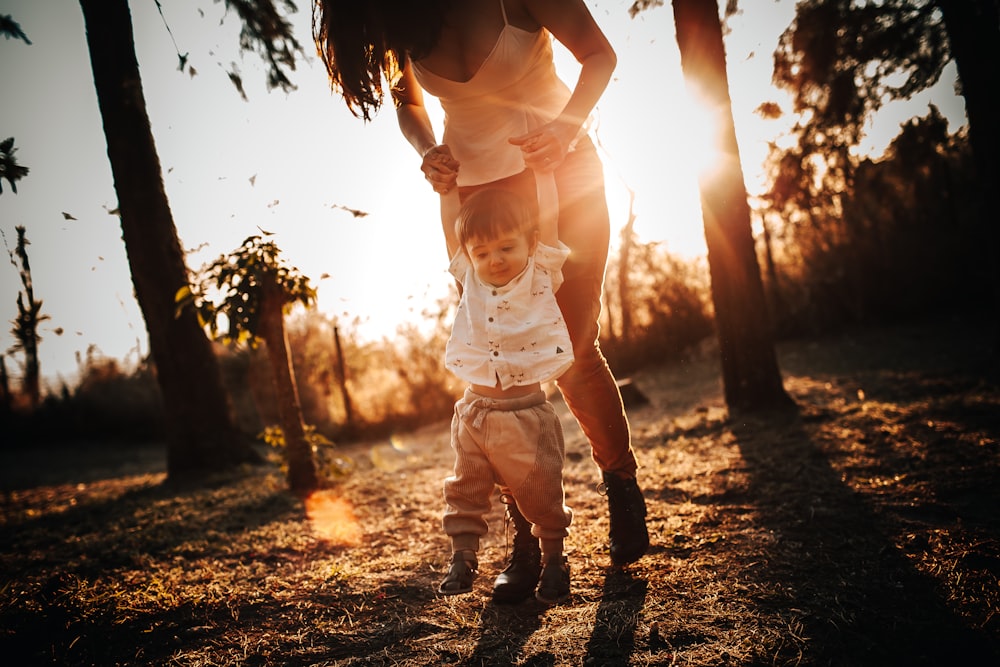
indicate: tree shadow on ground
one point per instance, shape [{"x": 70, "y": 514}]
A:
[
  {"x": 26, "y": 467},
  {"x": 62, "y": 633},
  {"x": 71, "y": 613},
  {"x": 835, "y": 554},
  {"x": 152, "y": 519}
]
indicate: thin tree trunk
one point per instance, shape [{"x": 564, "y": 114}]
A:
[
  {"x": 342, "y": 379},
  {"x": 202, "y": 437},
  {"x": 777, "y": 301},
  {"x": 624, "y": 260},
  {"x": 5, "y": 397},
  {"x": 302, "y": 475},
  {"x": 32, "y": 374},
  {"x": 750, "y": 375}
]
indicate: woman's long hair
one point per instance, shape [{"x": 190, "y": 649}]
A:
[{"x": 362, "y": 41}]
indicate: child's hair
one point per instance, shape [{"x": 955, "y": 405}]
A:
[{"x": 491, "y": 213}]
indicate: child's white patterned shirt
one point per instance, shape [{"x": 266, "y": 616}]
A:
[{"x": 514, "y": 333}]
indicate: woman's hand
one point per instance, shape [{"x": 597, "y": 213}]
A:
[
  {"x": 440, "y": 168},
  {"x": 545, "y": 148}
]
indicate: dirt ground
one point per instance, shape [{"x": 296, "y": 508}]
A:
[{"x": 863, "y": 531}]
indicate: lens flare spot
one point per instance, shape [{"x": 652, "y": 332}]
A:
[
  {"x": 397, "y": 443},
  {"x": 333, "y": 519},
  {"x": 391, "y": 456}
]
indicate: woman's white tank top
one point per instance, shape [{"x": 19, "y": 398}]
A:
[{"x": 515, "y": 90}]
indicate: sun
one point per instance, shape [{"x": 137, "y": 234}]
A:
[
  {"x": 699, "y": 141},
  {"x": 652, "y": 172}
]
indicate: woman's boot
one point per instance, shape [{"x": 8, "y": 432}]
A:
[{"x": 627, "y": 509}]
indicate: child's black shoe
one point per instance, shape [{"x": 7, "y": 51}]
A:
[{"x": 553, "y": 585}]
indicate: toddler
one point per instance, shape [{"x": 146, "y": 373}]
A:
[{"x": 507, "y": 339}]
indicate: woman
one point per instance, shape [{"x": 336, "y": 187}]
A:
[{"x": 508, "y": 117}]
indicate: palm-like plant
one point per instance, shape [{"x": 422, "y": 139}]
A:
[
  {"x": 10, "y": 170},
  {"x": 29, "y": 316},
  {"x": 256, "y": 289}
]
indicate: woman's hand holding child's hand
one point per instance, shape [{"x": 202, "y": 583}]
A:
[{"x": 440, "y": 168}]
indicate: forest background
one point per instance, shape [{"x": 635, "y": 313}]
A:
[{"x": 874, "y": 239}]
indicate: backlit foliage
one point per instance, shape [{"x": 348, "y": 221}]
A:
[
  {"x": 902, "y": 240},
  {"x": 239, "y": 280},
  {"x": 394, "y": 384}
]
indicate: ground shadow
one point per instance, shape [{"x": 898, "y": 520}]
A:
[
  {"x": 504, "y": 631},
  {"x": 833, "y": 553},
  {"x": 29, "y": 466},
  {"x": 612, "y": 641},
  {"x": 118, "y": 523}
]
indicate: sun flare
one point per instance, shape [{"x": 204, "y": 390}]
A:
[
  {"x": 699, "y": 143},
  {"x": 333, "y": 519}
]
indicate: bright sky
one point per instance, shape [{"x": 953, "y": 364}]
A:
[{"x": 286, "y": 163}]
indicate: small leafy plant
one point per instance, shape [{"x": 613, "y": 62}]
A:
[{"x": 256, "y": 289}]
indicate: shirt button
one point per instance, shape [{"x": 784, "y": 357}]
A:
[
  {"x": 496, "y": 354},
  {"x": 494, "y": 292},
  {"x": 491, "y": 319}
]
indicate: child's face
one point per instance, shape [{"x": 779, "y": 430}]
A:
[{"x": 498, "y": 261}]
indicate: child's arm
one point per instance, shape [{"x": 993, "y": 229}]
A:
[
  {"x": 548, "y": 208},
  {"x": 449, "y": 215}
]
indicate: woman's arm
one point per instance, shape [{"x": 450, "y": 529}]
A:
[
  {"x": 571, "y": 23},
  {"x": 439, "y": 166},
  {"x": 437, "y": 163}
]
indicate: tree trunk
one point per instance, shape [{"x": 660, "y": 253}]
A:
[
  {"x": 302, "y": 475},
  {"x": 973, "y": 28},
  {"x": 777, "y": 301},
  {"x": 750, "y": 375},
  {"x": 345, "y": 397},
  {"x": 202, "y": 437},
  {"x": 5, "y": 397},
  {"x": 28, "y": 316},
  {"x": 624, "y": 260}
]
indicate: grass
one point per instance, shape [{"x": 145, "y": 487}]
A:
[{"x": 863, "y": 531}]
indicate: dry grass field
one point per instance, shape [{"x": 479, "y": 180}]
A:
[{"x": 863, "y": 531}]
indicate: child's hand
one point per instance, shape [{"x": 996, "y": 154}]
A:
[{"x": 440, "y": 168}]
